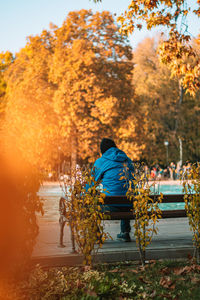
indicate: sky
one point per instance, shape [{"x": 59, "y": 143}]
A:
[{"x": 22, "y": 18}]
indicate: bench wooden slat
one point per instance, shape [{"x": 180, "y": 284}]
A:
[
  {"x": 123, "y": 199},
  {"x": 180, "y": 213}
]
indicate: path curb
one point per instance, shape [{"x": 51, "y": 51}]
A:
[{"x": 113, "y": 257}]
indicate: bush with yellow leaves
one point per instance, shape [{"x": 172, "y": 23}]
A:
[
  {"x": 191, "y": 189},
  {"x": 145, "y": 209},
  {"x": 84, "y": 212}
]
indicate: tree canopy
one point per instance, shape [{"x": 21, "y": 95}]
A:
[
  {"x": 72, "y": 85},
  {"x": 175, "y": 50},
  {"x": 5, "y": 60},
  {"x": 168, "y": 113}
]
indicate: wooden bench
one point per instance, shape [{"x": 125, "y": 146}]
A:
[
  {"x": 130, "y": 216},
  {"x": 121, "y": 200}
]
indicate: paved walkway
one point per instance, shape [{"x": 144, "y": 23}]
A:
[{"x": 174, "y": 240}]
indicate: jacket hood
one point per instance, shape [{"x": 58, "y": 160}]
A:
[{"x": 115, "y": 154}]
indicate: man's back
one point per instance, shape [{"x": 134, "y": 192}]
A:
[{"x": 110, "y": 167}]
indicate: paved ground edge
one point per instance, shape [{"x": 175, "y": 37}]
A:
[{"x": 112, "y": 257}]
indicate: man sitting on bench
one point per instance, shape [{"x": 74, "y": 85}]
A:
[{"x": 108, "y": 169}]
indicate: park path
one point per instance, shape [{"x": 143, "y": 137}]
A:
[{"x": 174, "y": 239}]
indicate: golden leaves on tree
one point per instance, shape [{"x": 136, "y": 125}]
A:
[{"x": 175, "y": 51}]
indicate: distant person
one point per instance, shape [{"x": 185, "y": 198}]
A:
[
  {"x": 108, "y": 169},
  {"x": 172, "y": 169},
  {"x": 153, "y": 173}
]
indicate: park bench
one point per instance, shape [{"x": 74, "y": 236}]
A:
[{"x": 122, "y": 200}]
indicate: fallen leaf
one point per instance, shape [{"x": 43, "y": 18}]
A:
[
  {"x": 152, "y": 262},
  {"x": 114, "y": 271},
  {"x": 91, "y": 293},
  {"x": 197, "y": 267},
  {"x": 153, "y": 294},
  {"x": 165, "y": 271},
  {"x": 195, "y": 280},
  {"x": 142, "y": 279},
  {"x": 184, "y": 270},
  {"x": 166, "y": 282},
  {"x": 179, "y": 271},
  {"x": 79, "y": 284},
  {"x": 144, "y": 295},
  {"x": 134, "y": 271},
  {"x": 172, "y": 287},
  {"x": 181, "y": 279},
  {"x": 86, "y": 268}
]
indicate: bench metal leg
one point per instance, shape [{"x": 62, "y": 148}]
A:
[
  {"x": 72, "y": 240},
  {"x": 62, "y": 225}
]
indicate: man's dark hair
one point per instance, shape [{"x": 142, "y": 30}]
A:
[{"x": 106, "y": 144}]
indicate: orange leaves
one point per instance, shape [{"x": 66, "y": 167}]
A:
[
  {"x": 79, "y": 75},
  {"x": 105, "y": 109},
  {"x": 182, "y": 59},
  {"x": 186, "y": 269},
  {"x": 90, "y": 76},
  {"x": 153, "y": 12},
  {"x": 6, "y": 60},
  {"x": 167, "y": 283},
  {"x": 165, "y": 13}
]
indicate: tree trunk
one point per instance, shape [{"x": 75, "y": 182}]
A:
[
  {"x": 73, "y": 150},
  {"x": 141, "y": 252},
  {"x": 181, "y": 151},
  {"x": 73, "y": 177},
  {"x": 179, "y": 103}
]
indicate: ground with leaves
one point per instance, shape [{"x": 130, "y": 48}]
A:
[{"x": 157, "y": 280}]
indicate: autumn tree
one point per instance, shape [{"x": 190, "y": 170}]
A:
[
  {"x": 175, "y": 50},
  {"x": 26, "y": 148},
  {"x": 67, "y": 88},
  {"x": 5, "y": 60},
  {"x": 91, "y": 67},
  {"x": 30, "y": 120},
  {"x": 167, "y": 116},
  {"x": 74, "y": 85},
  {"x": 158, "y": 94}
]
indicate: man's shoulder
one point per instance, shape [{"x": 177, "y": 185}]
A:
[{"x": 97, "y": 161}]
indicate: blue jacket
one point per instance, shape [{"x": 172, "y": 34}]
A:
[{"x": 109, "y": 168}]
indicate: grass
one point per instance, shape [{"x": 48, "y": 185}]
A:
[{"x": 159, "y": 280}]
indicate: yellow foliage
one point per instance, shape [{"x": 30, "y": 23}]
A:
[
  {"x": 84, "y": 213},
  {"x": 168, "y": 14},
  {"x": 145, "y": 209},
  {"x": 191, "y": 188},
  {"x": 78, "y": 78}
]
